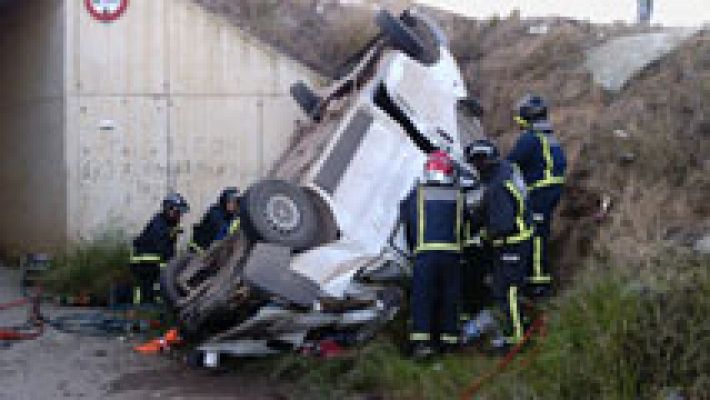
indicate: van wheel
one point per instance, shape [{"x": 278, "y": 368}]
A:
[
  {"x": 280, "y": 212},
  {"x": 400, "y": 35}
]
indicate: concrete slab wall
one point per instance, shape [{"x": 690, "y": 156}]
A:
[
  {"x": 32, "y": 164},
  {"x": 167, "y": 97}
]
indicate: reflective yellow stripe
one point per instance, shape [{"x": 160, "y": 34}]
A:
[
  {"x": 553, "y": 180},
  {"x": 420, "y": 216},
  {"x": 449, "y": 339},
  {"x": 524, "y": 232},
  {"x": 538, "y": 277},
  {"x": 469, "y": 239},
  {"x": 521, "y": 121},
  {"x": 515, "y": 314},
  {"x": 459, "y": 217},
  {"x": 548, "y": 179},
  {"x": 439, "y": 247},
  {"x": 234, "y": 227},
  {"x": 163, "y": 265},
  {"x": 146, "y": 258},
  {"x": 419, "y": 336},
  {"x": 136, "y": 295},
  {"x": 421, "y": 226},
  {"x": 467, "y": 231},
  {"x": 537, "y": 256}
]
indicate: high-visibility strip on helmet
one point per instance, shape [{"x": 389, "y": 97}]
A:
[
  {"x": 548, "y": 179},
  {"x": 234, "y": 226},
  {"x": 538, "y": 276},
  {"x": 422, "y": 245},
  {"x": 521, "y": 121},
  {"x": 419, "y": 337},
  {"x": 515, "y": 314}
]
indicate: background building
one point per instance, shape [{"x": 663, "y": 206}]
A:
[{"x": 99, "y": 119}]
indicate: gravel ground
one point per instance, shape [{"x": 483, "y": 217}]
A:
[{"x": 66, "y": 366}]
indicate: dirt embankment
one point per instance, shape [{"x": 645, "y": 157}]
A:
[{"x": 645, "y": 147}]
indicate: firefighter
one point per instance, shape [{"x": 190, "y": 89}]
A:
[
  {"x": 220, "y": 221},
  {"x": 542, "y": 162},
  {"x": 504, "y": 216},
  {"x": 432, "y": 213},
  {"x": 155, "y": 246},
  {"x": 474, "y": 262}
]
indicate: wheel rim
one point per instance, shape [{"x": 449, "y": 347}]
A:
[{"x": 282, "y": 213}]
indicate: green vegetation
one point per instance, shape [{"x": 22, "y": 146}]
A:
[
  {"x": 90, "y": 267},
  {"x": 623, "y": 335},
  {"x": 616, "y": 333}
]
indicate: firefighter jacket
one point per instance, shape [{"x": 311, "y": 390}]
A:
[
  {"x": 504, "y": 213},
  {"x": 539, "y": 156},
  {"x": 215, "y": 225},
  {"x": 433, "y": 216},
  {"x": 156, "y": 243}
]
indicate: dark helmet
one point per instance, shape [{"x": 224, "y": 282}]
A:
[
  {"x": 228, "y": 194},
  {"x": 531, "y": 108},
  {"x": 481, "y": 149},
  {"x": 175, "y": 201}
]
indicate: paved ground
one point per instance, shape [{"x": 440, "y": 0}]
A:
[
  {"x": 617, "y": 61},
  {"x": 65, "y": 366}
]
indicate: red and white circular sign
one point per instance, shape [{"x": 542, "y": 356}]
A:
[{"x": 106, "y": 10}]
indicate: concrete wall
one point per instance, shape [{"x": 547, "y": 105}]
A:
[
  {"x": 32, "y": 166},
  {"x": 167, "y": 97}
]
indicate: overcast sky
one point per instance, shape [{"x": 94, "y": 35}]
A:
[{"x": 666, "y": 12}]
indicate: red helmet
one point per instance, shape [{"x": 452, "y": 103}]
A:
[{"x": 439, "y": 168}]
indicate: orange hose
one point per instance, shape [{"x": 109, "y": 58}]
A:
[{"x": 472, "y": 389}]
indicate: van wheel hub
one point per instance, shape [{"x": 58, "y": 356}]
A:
[{"x": 282, "y": 213}]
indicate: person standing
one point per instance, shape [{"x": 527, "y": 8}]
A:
[
  {"x": 543, "y": 164},
  {"x": 155, "y": 246},
  {"x": 433, "y": 214},
  {"x": 506, "y": 219},
  {"x": 220, "y": 221}
]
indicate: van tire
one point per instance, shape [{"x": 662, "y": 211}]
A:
[
  {"x": 400, "y": 36},
  {"x": 280, "y": 212}
]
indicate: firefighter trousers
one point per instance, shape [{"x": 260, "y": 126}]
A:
[
  {"x": 146, "y": 276},
  {"x": 436, "y": 288},
  {"x": 510, "y": 264},
  {"x": 543, "y": 202}
]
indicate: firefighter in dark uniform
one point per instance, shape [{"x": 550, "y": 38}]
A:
[
  {"x": 542, "y": 162},
  {"x": 155, "y": 246},
  {"x": 475, "y": 261},
  {"x": 506, "y": 219},
  {"x": 220, "y": 221},
  {"x": 432, "y": 213}
]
